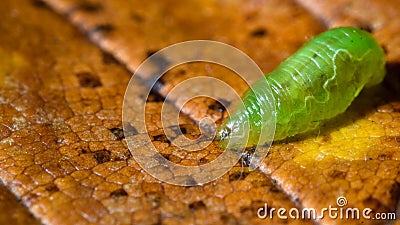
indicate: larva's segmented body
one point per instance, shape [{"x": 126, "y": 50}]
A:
[{"x": 316, "y": 83}]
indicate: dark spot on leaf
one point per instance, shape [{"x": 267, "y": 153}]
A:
[
  {"x": 337, "y": 174},
  {"x": 228, "y": 218},
  {"x": 137, "y": 17},
  {"x": 118, "y": 193},
  {"x": 130, "y": 130},
  {"x": 274, "y": 189},
  {"x": 90, "y": 7},
  {"x": 52, "y": 188},
  {"x": 190, "y": 181},
  {"x": 165, "y": 156},
  {"x": 326, "y": 138},
  {"x": 150, "y": 53},
  {"x": 161, "y": 138},
  {"x": 182, "y": 72},
  {"x": 384, "y": 157},
  {"x": 87, "y": 79},
  {"x": 159, "y": 60},
  {"x": 259, "y": 32},
  {"x": 176, "y": 129},
  {"x": 157, "y": 86},
  {"x": 104, "y": 28},
  {"x": 118, "y": 133},
  {"x": 154, "y": 96},
  {"x": 39, "y": 3},
  {"x": 179, "y": 129},
  {"x": 197, "y": 206},
  {"x": 183, "y": 130},
  {"x": 225, "y": 103},
  {"x": 109, "y": 59},
  {"x": 83, "y": 151},
  {"x": 366, "y": 26},
  {"x": 238, "y": 175},
  {"x": 102, "y": 156},
  {"x": 217, "y": 106}
]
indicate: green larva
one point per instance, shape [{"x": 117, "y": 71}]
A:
[{"x": 316, "y": 83}]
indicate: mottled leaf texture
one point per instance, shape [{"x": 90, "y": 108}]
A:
[
  {"x": 62, "y": 152},
  {"x": 12, "y": 212},
  {"x": 142, "y": 28}
]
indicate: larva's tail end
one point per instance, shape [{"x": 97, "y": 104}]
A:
[{"x": 377, "y": 74}]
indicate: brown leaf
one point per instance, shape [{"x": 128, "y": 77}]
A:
[
  {"x": 61, "y": 149},
  {"x": 63, "y": 154}
]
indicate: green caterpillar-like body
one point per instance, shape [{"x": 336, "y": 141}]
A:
[{"x": 318, "y": 82}]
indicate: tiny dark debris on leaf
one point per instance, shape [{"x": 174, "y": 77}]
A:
[
  {"x": 337, "y": 174},
  {"x": 52, "y": 188},
  {"x": 87, "y": 79},
  {"x": 238, "y": 175},
  {"x": 137, "y": 17},
  {"x": 118, "y": 193},
  {"x": 219, "y": 105},
  {"x": 194, "y": 206},
  {"x": 90, "y": 7},
  {"x": 39, "y": 3},
  {"x": 154, "y": 96},
  {"x": 161, "y": 138},
  {"x": 104, "y": 28},
  {"x": 109, "y": 59},
  {"x": 102, "y": 156},
  {"x": 190, "y": 181},
  {"x": 160, "y": 60},
  {"x": 118, "y": 133},
  {"x": 259, "y": 32}
]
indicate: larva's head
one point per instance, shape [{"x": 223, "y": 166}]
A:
[
  {"x": 253, "y": 121},
  {"x": 234, "y": 132}
]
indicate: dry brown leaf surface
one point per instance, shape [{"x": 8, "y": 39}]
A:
[{"x": 63, "y": 154}]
